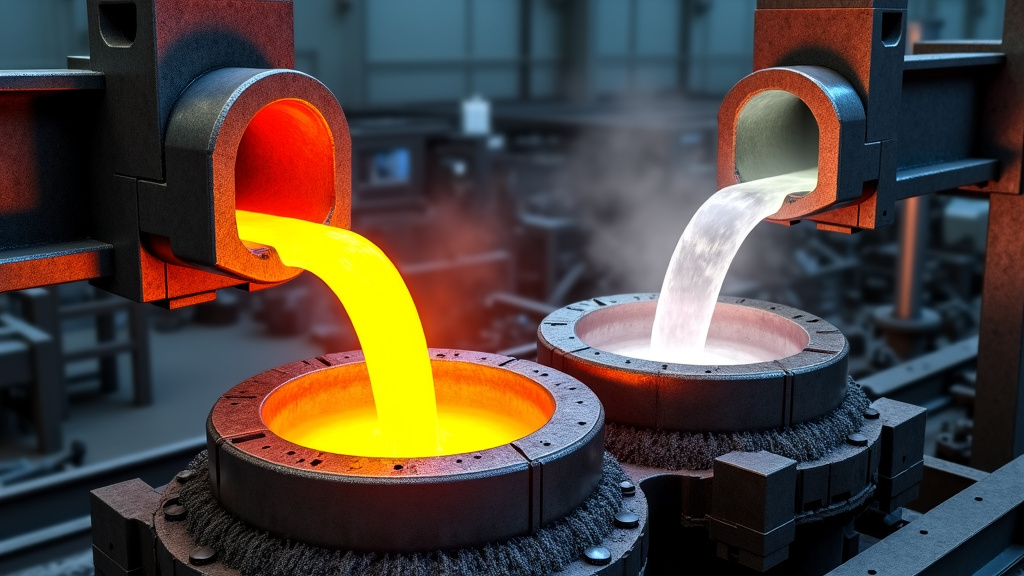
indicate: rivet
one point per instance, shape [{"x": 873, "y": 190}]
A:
[
  {"x": 627, "y": 487},
  {"x": 626, "y": 519},
  {"x": 857, "y": 439},
  {"x": 202, "y": 556},
  {"x": 174, "y": 513},
  {"x": 597, "y": 555},
  {"x": 872, "y": 414},
  {"x": 184, "y": 476}
]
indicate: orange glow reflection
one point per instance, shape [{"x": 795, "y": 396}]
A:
[
  {"x": 19, "y": 168},
  {"x": 285, "y": 162}
]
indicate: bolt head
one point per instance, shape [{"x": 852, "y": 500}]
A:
[
  {"x": 174, "y": 513},
  {"x": 857, "y": 439},
  {"x": 184, "y": 476},
  {"x": 627, "y": 487},
  {"x": 626, "y": 519},
  {"x": 202, "y": 555},
  {"x": 597, "y": 555},
  {"x": 872, "y": 414}
]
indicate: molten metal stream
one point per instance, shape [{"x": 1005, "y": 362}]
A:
[
  {"x": 385, "y": 320},
  {"x": 701, "y": 260}
]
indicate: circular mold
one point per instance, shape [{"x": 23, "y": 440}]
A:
[
  {"x": 802, "y": 374},
  {"x": 385, "y": 504}
]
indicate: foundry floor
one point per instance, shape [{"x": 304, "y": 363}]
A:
[{"x": 191, "y": 367}]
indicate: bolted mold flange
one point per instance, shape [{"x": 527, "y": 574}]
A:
[
  {"x": 372, "y": 504},
  {"x": 691, "y": 398}
]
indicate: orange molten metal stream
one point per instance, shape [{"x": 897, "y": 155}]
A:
[{"x": 405, "y": 421}]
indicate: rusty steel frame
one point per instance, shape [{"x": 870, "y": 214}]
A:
[
  {"x": 833, "y": 88},
  {"x": 120, "y": 170},
  {"x": 889, "y": 127}
]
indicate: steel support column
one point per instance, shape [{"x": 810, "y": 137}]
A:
[{"x": 999, "y": 405}]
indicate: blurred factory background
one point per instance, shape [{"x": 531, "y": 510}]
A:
[
  {"x": 402, "y": 52},
  {"x": 511, "y": 156}
]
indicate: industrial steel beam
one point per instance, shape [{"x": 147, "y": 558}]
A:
[
  {"x": 833, "y": 89},
  {"x": 974, "y": 532}
]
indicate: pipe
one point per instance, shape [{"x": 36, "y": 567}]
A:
[
  {"x": 880, "y": 125},
  {"x": 910, "y": 265}
]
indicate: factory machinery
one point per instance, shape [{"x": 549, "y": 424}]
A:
[{"x": 126, "y": 170}]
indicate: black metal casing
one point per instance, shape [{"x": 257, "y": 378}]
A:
[{"x": 103, "y": 184}]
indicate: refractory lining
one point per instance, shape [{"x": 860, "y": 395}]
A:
[
  {"x": 697, "y": 451},
  {"x": 255, "y": 552}
]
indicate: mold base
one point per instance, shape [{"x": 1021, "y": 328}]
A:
[
  {"x": 697, "y": 451},
  {"x": 242, "y": 549}
]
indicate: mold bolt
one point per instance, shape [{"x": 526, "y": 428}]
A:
[
  {"x": 597, "y": 555},
  {"x": 202, "y": 556},
  {"x": 857, "y": 439},
  {"x": 174, "y": 513},
  {"x": 626, "y": 519},
  {"x": 627, "y": 487}
]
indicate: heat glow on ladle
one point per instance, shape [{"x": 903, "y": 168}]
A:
[
  {"x": 701, "y": 261},
  {"x": 385, "y": 320}
]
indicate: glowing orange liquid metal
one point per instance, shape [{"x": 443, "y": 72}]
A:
[{"x": 406, "y": 421}]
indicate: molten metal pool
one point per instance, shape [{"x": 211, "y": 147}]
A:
[
  {"x": 738, "y": 334},
  {"x": 478, "y": 408}
]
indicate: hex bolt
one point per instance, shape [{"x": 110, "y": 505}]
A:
[
  {"x": 184, "y": 476},
  {"x": 857, "y": 439},
  {"x": 597, "y": 555},
  {"x": 202, "y": 556},
  {"x": 872, "y": 414},
  {"x": 627, "y": 487},
  {"x": 626, "y": 519},
  {"x": 174, "y": 513}
]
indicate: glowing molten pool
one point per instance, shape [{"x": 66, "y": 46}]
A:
[{"x": 478, "y": 407}]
